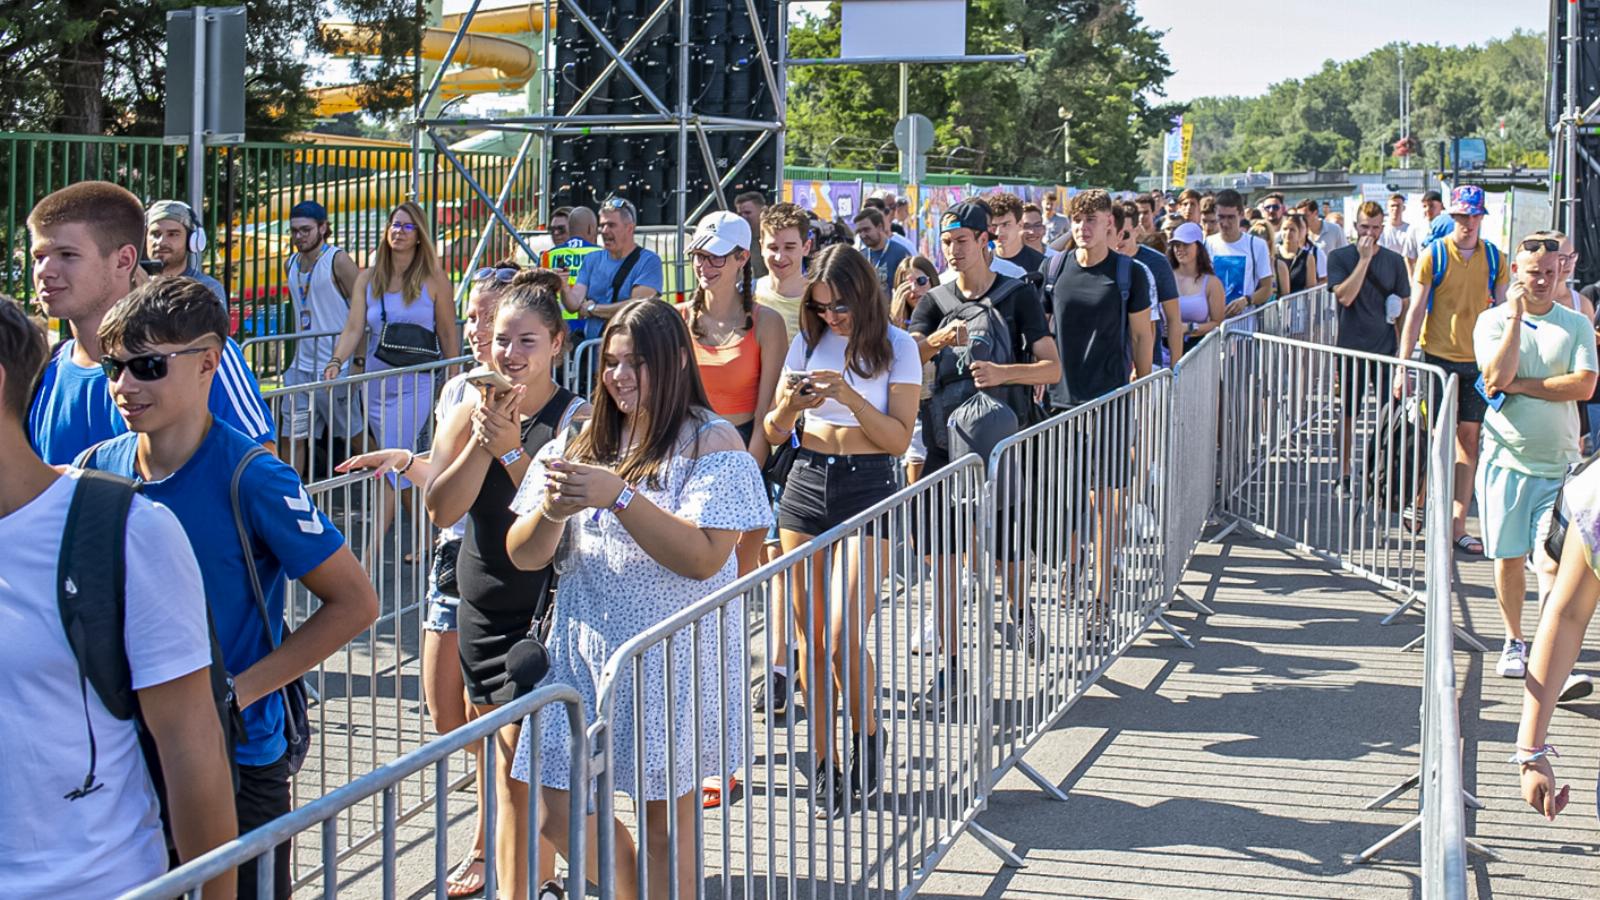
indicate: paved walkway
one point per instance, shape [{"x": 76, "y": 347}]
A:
[{"x": 1240, "y": 768}]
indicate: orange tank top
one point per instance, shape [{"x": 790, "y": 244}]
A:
[{"x": 731, "y": 374}]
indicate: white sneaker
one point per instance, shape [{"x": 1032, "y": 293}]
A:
[
  {"x": 1578, "y": 686},
  {"x": 1513, "y": 660}
]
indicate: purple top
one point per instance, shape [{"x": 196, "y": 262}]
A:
[{"x": 418, "y": 312}]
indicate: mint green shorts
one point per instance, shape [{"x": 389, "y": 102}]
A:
[{"x": 1514, "y": 510}]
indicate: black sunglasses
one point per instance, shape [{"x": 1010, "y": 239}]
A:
[
  {"x": 838, "y": 309},
  {"x": 1535, "y": 244},
  {"x": 152, "y": 367},
  {"x": 921, "y": 280}
]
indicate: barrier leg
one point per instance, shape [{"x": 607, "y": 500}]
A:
[
  {"x": 1199, "y": 606},
  {"x": 1161, "y": 619},
  {"x": 1034, "y": 775},
  {"x": 994, "y": 845}
]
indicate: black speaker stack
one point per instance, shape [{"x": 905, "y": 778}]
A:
[
  {"x": 1586, "y": 174},
  {"x": 725, "y": 79}
]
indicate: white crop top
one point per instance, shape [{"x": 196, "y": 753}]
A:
[{"x": 829, "y": 356}]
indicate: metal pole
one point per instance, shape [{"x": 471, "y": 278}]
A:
[
  {"x": 781, "y": 98},
  {"x": 684, "y": 30},
  {"x": 547, "y": 106},
  {"x": 1569, "y": 181},
  {"x": 197, "y": 126},
  {"x": 488, "y": 228}
]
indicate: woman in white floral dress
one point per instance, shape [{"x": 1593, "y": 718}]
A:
[{"x": 644, "y": 506}]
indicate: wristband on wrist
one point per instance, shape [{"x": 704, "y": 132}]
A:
[
  {"x": 1526, "y": 755},
  {"x": 410, "y": 459},
  {"x": 511, "y": 456}
]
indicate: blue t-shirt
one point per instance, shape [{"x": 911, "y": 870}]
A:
[
  {"x": 72, "y": 410},
  {"x": 288, "y": 535},
  {"x": 1166, "y": 283},
  {"x": 1441, "y": 226},
  {"x": 599, "y": 269}
]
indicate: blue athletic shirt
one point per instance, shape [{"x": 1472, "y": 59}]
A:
[
  {"x": 289, "y": 535},
  {"x": 73, "y": 410}
]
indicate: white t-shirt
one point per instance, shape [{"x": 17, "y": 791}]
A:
[
  {"x": 1399, "y": 239},
  {"x": 1241, "y": 265},
  {"x": 829, "y": 355},
  {"x": 108, "y": 841},
  {"x": 455, "y": 392}
]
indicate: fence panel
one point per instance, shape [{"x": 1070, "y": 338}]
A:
[
  {"x": 581, "y": 370},
  {"x": 1190, "y": 474},
  {"x": 1319, "y": 452},
  {"x": 777, "y": 841},
  {"x": 322, "y": 821},
  {"x": 1078, "y": 506}
]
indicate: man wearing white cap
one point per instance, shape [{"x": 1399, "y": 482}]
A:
[{"x": 175, "y": 237}]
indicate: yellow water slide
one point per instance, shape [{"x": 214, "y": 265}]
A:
[{"x": 494, "y": 65}]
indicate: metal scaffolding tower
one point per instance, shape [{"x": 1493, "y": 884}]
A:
[{"x": 678, "y": 116}]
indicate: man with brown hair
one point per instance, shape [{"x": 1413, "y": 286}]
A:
[
  {"x": 85, "y": 250},
  {"x": 73, "y": 834},
  {"x": 1055, "y": 224},
  {"x": 884, "y": 254},
  {"x": 1005, "y": 217}
]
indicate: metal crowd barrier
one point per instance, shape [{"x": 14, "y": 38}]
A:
[
  {"x": 684, "y": 686},
  {"x": 1194, "y": 442},
  {"x": 581, "y": 369},
  {"x": 1079, "y": 504},
  {"x": 322, "y": 423},
  {"x": 319, "y": 821},
  {"x": 271, "y": 355}
]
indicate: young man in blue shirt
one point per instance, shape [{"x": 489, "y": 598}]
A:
[
  {"x": 69, "y": 834},
  {"x": 86, "y": 240},
  {"x": 162, "y": 345}
]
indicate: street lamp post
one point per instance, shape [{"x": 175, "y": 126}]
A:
[{"x": 1066, "y": 140}]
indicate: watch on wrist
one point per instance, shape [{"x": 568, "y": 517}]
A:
[
  {"x": 511, "y": 456},
  {"x": 588, "y": 307}
]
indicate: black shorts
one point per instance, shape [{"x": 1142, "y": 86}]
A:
[
  {"x": 263, "y": 796},
  {"x": 824, "y": 490},
  {"x": 1470, "y": 405},
  {"x": 1357, "y": 377}
]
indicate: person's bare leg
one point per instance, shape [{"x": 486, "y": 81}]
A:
[
  {"x": 858, "y": 685},
  {"x": 510, "y": 814},
  {"x": 1510, "y": 589},
  {"x": 1466, "y": 470},
  {"x": 444, "y": 693},
  {"x": 554, "y": 830},
  {"x": 1345, "y": 444},
  {"x": 659, "y": 843},
  {"x": 810, "y": 680},
  {"x": 779, "y": 612}
]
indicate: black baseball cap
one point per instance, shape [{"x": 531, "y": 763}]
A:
[
  {"x": 1432, "y": 196},
  {"x": 968, "y": 214}
]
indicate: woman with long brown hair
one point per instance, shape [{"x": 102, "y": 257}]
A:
[
  {"x": 857, "y": 380},
  {"x": 645, "y": 505}
]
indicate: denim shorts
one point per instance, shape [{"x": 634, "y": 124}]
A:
[
  {"x": 440, "y": 614},
  {"x": 824, "y": 490}
]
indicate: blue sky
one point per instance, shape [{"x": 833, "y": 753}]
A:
[{"x": 1298, "y": 35}]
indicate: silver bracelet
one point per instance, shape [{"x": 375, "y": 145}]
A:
[{"x": 548, "y": 516}]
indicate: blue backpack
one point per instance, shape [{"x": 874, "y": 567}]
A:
[{"x": 1441, "y": 261}]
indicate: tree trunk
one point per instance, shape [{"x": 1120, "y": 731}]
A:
[{"x": 81, "y": 72}]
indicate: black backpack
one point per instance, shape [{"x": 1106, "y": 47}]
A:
[
  {"x": 90, "y": 582},
  {"x": 989, "y": 339}
]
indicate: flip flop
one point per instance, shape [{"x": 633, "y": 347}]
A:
[
  {"x": 1469, "y": 545},
  {"x": 467, "y": 878},
  {"x": 711, "y": 791}
]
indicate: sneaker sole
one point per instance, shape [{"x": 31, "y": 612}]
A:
[
  {"x": 1503, "y": 673},
  {"x": 1578, "y": 691}
]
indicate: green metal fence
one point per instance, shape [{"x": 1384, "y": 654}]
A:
[{"x": 249, "y": 191}]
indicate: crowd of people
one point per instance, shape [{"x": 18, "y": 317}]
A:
[{"x": 583, "y": 521}]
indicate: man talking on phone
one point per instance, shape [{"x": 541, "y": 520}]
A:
[{"x": 1538, "y": 361}]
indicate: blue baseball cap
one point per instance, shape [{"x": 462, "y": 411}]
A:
[
  {"x": 309, "y": 209},
  {"x": 1467, "y": 200}
]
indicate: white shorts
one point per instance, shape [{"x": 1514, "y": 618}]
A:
[{"x": 331, "y": 411}]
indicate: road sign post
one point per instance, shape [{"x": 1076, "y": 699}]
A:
[{"x": 205, "y": 85}]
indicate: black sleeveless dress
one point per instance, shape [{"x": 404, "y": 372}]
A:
[
  {"x": 1299, "y": 265},
  {"x": 497, "y": 598}
]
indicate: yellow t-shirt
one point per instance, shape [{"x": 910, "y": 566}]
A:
[
  {"x": 789, "y": 307},
  {"x": 1458, "y": 300}
]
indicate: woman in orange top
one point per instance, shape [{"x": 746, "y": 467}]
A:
[{"x": 738, "y": 343}]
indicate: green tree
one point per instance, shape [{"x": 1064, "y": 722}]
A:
[
  {"x": 1093, "y": 59},
  {"x": 1344, "y": 116},
  {"x": 98, "y": 66}
]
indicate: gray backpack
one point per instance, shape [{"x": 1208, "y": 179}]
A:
[{"x": 960, "y": 417}]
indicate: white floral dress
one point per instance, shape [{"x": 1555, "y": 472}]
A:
[{"x": 611, "y": 591}]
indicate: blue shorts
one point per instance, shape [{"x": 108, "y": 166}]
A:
[
  {"x": 440, "y": 613},
  {"x": 1514, "y": 510}
]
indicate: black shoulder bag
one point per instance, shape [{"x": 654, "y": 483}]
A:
[{"x": 402, "y": 344}]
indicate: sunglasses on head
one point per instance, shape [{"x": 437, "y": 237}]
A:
[
  {"x": 838, "y": 309},
  {"x": 617, "y": 203},
  {"x": 150, "y": 367},
  {"x": 1534, "y": 244},
  {"x": 402, "y": 226},
  {"x": 502, "y": 275}
]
